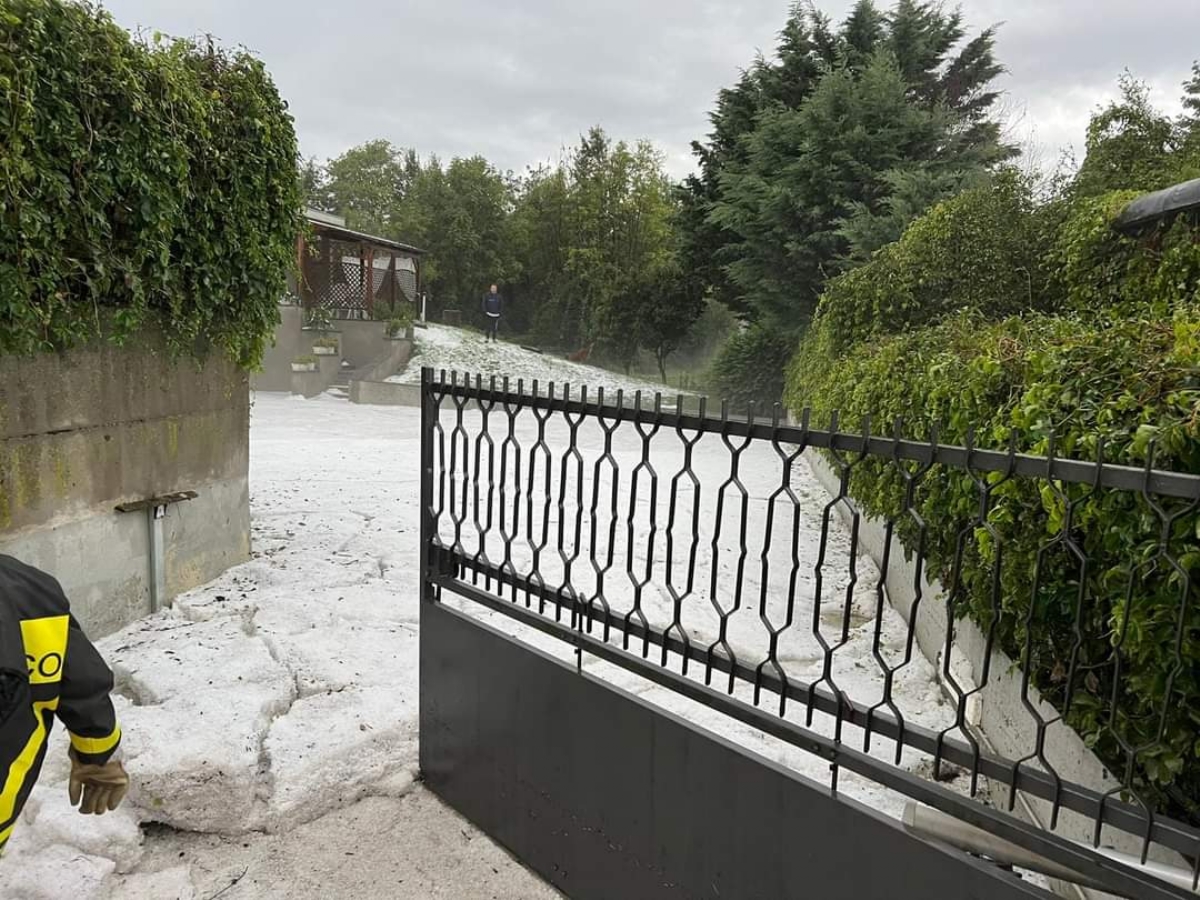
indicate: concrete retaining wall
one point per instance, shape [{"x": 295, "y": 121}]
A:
[
  {"x": 290, "y": 342},
  {"x": 363, "y": 342},
  {"x": 396, "y": 352},
  {"x": 385, "y": 393},
  {"x": 369, "y": 353},
  {"x": 310, "y": 384},
  {"x": 86, "y": 430},
  {"x": 997, "y": 715}
]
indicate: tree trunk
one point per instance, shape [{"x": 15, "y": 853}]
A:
[{"x": 662, "y": 365}]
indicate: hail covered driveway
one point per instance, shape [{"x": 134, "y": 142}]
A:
[{"x": 271, "y": 716}]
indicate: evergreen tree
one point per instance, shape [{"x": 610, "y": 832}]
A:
[
  {"x": 853, "y": 132},
  {"x": 862, "y": 34}
]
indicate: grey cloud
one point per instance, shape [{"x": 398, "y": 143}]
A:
[{"x": 517, "y": 81}]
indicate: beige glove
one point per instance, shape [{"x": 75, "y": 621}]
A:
[{"x": 100, "y": 788}]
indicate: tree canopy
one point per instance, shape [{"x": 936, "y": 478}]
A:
[
  {"x": 586, "y": 250},
  {"x": 823, "y": 154}
]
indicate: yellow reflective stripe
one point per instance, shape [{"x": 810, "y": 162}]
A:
[
  {"x": 19, "y": 770},
  {"x": 96, "y": 746},
  {"x": 5, "y": 833},
  {"x": 45, "y": 647}
]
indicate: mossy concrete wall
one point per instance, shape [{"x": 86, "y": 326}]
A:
[{"x": 84, "y": 431}]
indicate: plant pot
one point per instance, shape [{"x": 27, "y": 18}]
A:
[{"x": 304, "y": 367}]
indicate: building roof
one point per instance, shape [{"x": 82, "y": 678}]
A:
[
  {"x": 1151, "y": 208},
  {"x": 347, "y": 234},
  {"x": 325, "y": 218}
]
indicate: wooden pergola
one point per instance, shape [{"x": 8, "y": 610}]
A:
[{"x": 356, "y": 275}]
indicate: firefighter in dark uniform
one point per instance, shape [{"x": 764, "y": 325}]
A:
[{"x": 49, "y": 668}]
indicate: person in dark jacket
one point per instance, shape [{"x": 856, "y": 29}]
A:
[
  {"x": 49, "y": 669},
  {"x": 493, "y": 306}
]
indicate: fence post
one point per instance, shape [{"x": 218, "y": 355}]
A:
[{"x": 428, "y": 418}]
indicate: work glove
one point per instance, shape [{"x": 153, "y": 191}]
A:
[{"x": 97, "y": 789}]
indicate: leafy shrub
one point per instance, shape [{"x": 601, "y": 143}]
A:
[
  {"x": 403, "y": 319},
  {"x": 1104, "y": 274},
  {"x": 318, "y": 318},
  {"x": 1105, "y": 347},
  {"x": 139, "y": 185},
  {"x": 981, "y": 250},
  {"x": 750, "y": 367},
  {"x": 1025, "y": 379}
]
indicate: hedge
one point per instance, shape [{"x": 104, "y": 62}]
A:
[
  {"x": 984, "y": 249},
  {"x": 1119, "y": 362},
  {"x": 141, "y": 184},
  {"x": 1026, "y": 379},
  {"x": 749, "y": 368}
]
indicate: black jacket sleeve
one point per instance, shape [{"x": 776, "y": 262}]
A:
[
  {"x": 14, "y": 680},
  {"x": 84, "y": 705}
]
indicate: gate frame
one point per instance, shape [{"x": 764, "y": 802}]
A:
[{"x": 468, "y": 749}]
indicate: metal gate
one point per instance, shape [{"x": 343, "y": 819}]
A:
[{"x": 655, "y": 662}]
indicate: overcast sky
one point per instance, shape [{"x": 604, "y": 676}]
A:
[{"x": 515, "y": 81}]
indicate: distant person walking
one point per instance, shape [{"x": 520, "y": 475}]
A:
[{"x": 493, "y": 305}]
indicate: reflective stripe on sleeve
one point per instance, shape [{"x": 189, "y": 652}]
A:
[{"x": 96, "y": 746}]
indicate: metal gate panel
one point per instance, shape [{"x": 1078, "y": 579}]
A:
[
  {"x": 603, "y": 542},
  {"x": 605, "y": 796}
]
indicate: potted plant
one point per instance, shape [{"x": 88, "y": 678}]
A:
[
  {"x": 401, "y": 323},
  {"x": 326, "y": 346},
  {"x": 318, "y": 318},
  {"x": 304, "y": 364}
]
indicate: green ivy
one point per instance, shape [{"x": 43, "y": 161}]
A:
[
  {"x": 1119, "y": 363},
  {"x": 141, "y": 184},
  {"x": 1025, "y": 379},
  {"x": 1102, "y": 273},
  {"x": 983, "y": 249}
]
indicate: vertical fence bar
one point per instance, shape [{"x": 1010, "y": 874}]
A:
[{"x": 428, "y": 525}]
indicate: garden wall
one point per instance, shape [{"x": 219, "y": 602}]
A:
[
  {"x": 365, "y": 352},
  {"x": 290, "y": 341},
  {"x": 385, "y": 393},
  {"x": 88, "y": 429}
]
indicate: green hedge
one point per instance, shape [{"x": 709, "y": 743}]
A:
[
  {"x": 1119, "y": 363},
  {"x": 140, "y": 184},
  {"x": 749, "y": 369},
  {"x": 1101, "y": 274},
  {"x": 1125, "y": 382},
  {"x": 981, "y": 250}
]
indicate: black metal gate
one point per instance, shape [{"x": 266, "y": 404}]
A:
[{"x": 628, "y": 610}]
